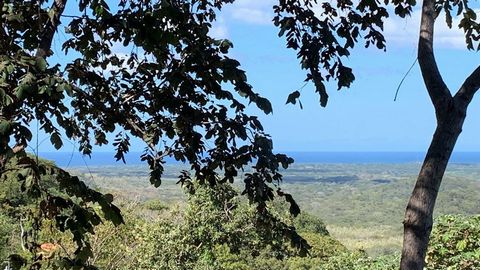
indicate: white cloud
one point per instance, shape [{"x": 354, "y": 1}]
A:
[
  {"x": 402, "y": 32},
  {"x": 252, "y": 16},
  {"x": 259, "y": 12},
  {"x": 219, "y": 28},
  {"x": 399, "y": 32},
  {"x": 265, "y": 5}
]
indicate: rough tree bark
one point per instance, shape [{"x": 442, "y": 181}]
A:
[{"x": 450, "y": 113}]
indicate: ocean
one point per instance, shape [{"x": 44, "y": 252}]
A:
[{"x": 65, "y": 159}]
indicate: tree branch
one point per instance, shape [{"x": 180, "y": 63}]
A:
[
  {"x": 46, "y": 37},
  {"x": 436, "y": 87},
  {"x": 128, "y": 124},
  {"x": 465, "y": 94},
  {"x": 3, "y": 33}
]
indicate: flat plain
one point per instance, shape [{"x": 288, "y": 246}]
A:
[{"x": 362, "y": 204}]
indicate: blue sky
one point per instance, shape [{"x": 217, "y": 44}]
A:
[{"x": 362, "y": 118}]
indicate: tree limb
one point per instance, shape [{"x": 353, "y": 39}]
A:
[
  {"x": 46, "y": 37},
  {"x": 465, "y": 94},
  {"x": 3, "y": 33},
  {"x": 436, "y": 87},
  {"x": 128, "y": 124}
]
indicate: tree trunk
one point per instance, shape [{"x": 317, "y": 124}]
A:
[
  {"x": 419, "y": 213},
  {"x": 450, "y": 112}
]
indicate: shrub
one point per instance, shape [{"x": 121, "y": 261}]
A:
[
  {"x": 308, "y": 223},
  {"x": 454, "y": 243}
]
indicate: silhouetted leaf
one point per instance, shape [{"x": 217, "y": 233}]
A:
[
  {"x": 56, "y": 140},
  {"x": 292, "y": 98}
]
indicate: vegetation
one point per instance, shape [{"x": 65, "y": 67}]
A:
[
  {"x": 454, "y": 243},
  {"x": 217, "y": 229},
  {"x": 177, "y": 91},
  {"x": 362, "y": 214}
]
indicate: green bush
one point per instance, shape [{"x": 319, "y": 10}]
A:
[
  {"x": 454, "y": 243},
  {"x": 218, "y": 230},
  {"x": 155, "y": 205},
  {"x": 309, "y": 223},
  {"x": 7, "y": 237}
]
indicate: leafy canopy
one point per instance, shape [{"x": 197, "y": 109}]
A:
[
  {"x": 176, "y": 89},
  {"x": 323, "y": 39},
  {"x": 171, "y": 85}
]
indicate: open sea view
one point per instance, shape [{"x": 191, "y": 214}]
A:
[{"x": 69, "y": 159}]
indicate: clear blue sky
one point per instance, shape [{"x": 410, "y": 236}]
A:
[{"x": 362, "y": 118}]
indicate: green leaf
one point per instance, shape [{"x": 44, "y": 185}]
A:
[
  {"x": 294, "y": 208},
  {"x": 22, "y": 91},
  {"x": 10, "y": 68},
  {"x": 112, "y": 213},
  {"x": 25, "y": 132},
  {"x": 56, "y": 140},
  {"x": 44, "y": 89},
  {"x": 8, "y": 100},
  {"x": 320, "y": 88},
  {"x": 225, "y": 45},
  {"x": 29, "y": 78},
  {"x": 108, "y": 197},
  {"x": 286, "y": 24},
  {"x": 68, "y": 89},
  {"x": 2, "y": 94},
  {"x": 156, "y": 177},
  {"x": 264, "y": 105},
  {"x": 448, "y": 18},
  {"x": 461, "y": 245},
  {"x": 5, "y": 127},
  {"x": 292, "y": 98},
  {"x": 41, "y": 64}
]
